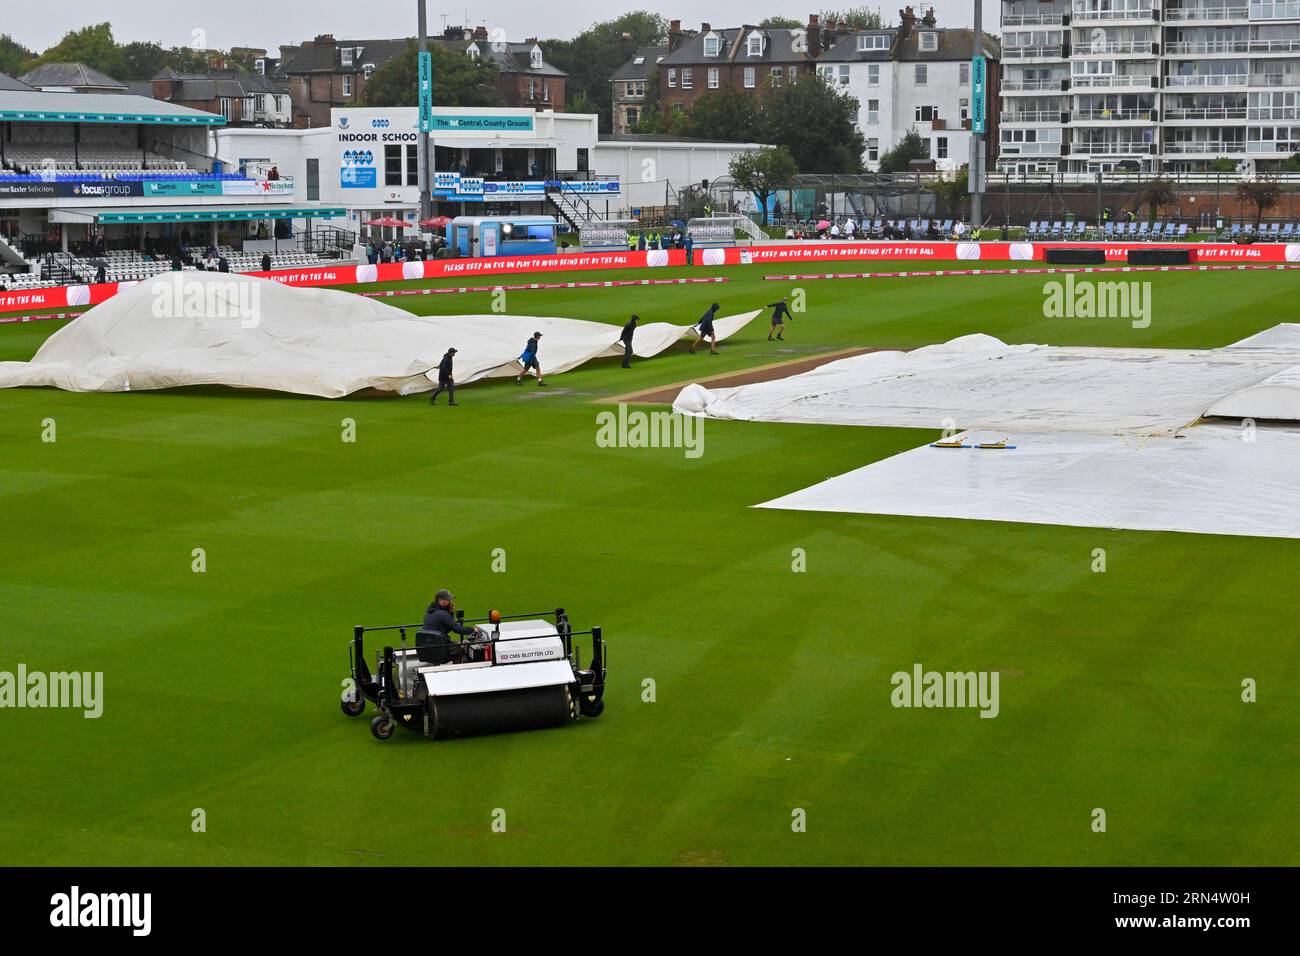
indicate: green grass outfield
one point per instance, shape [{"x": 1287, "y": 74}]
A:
[{"x": 1119, "y": 690}]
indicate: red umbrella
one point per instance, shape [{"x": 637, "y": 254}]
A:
[
  {"x": 437, "y": 222},
  {"x": 391, "y": 222}
]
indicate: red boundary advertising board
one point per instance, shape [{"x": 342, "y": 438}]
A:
[{"x": 75, "y": 296}]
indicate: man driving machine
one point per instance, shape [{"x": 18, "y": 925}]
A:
[{"x": 440, "y": 619}]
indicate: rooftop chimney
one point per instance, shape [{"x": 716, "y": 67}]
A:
[
  {"x": 480, "y": 33},
  {"x": 928, "y": 19},
  {"x": 674, "y": 35},
  {"x": 325, "y": 39},
  {"x": 814, "y": 36},
  {"x": 906, "y": 20}
]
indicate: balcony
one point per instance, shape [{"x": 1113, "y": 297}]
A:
[
  {"x": 1274, "y": 10},
  {"x": 1207, "y": 12},
  {"x": 1113, "y": 116},
  {"x": 1204, "y": 113},
  {"x": 1121, "y": 148},
  {"x": 1212, "y": 80},
  {"x": 1273, "y": 113},
  {"x": 1108, "y": 81},
  {"x": 1117, "y": 47},
  {"x": 1031, "y": 86},
  {"x": 1268, "y": 146},
  {"x": 1034, "y": 20},
  {"x": 1055, "y": 52},
  {"x": 1114, "y": 13},
  {"x": 1031, "y": 116},
  {"x": 1205, "y": 148},
  {"x": 1230, "y": 47},
  {"x": 1272, "y": 80}
]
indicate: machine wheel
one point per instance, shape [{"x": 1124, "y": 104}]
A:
[
  {"x": 593, "y": 708},
  {"x": 353, "y": 708},
  {"x": 382, "y": 727}
]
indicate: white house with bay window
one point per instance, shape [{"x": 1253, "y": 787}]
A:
[{"x": 912, "y": 77}]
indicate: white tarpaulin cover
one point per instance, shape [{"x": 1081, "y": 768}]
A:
[
  {"x": 203, "y": 328},
  {"x": 978, "y": 381},
  {"x": 1208, "y": 480},
  {"x": 1104, "y": 437}
]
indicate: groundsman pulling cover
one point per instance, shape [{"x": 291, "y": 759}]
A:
[{"x": 208, "y": 328}]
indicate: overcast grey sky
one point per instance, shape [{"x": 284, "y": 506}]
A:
[{"x": 268, "y": 23}]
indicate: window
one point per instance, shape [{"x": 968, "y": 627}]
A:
[
  {"x": 637, "y": 61},
  {"x": 713, "y": 77},
  {"x": 225, "y": 107},
  {"x": 368, "y": 70},
  {"x": 347, "y": 86},
  {"x": 873, "y": 111},
  {"x": 794, "y": 72},
  {"x": 928, "y": 151},
  {"x": 345, "y": 55},
  {"x": 925, "y": 114},
  {"x": 633, "y": 116},
  {"x": 941, "y": 147},
  {"x": 921, "y": 73},
  {"x": 393, "y": 165},
  {"x": 260, "y": 67},
  {"x": 472, "y": 50},
  {"x": 964, "y": 110},
  {"x": 844, "y": 74},
  {"x": 711, "y": 45},
  {"x": 688, "y": 78},
  {"x": 546, "y": 91},
  {"x": 412, "y": 164},
  {"x": 928, "y": 41},
  {"x": 756, "y": 44},
  {"x": 963, "y": 74},
  {"x": 776, "y": 76},
  {"x": 749, "y": 77},
  {"x": 532, "y": 88},
  {"x": 827, "y": 73},
  {"x": 535, "y": 57},
  {"x": 672, "y": 79},
  {"x": 880, "y": 42},
  {"x": 873, "y": 150},
  {"x": 873, "y": 74}
]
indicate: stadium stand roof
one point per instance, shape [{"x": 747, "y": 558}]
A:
[
  {"x": 38, "y": 106},
  {"x": 75, "y": 76},
  {"x": 227, "y": 213}
]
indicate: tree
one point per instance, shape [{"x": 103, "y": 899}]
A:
[
  {"x": 763, "y": 172},
  {"x": 951, "y": 193},
  {"x": 591, "y": 57},
  {"x": 814, "y": 121},
  {"x": 1223, "y": 165},
  {"x": 780, "y": 23},
  {"x": 144, "y": 60},
  {"x": 458, "y": 80},
  {"x": 582, "y": 103},
  {"x": 725, "y": 114},
  {"x": 14, "y": 57},
  {"x": 93, "y": 45},
  {"x": 899, "y": 158},
  {"x": 856, "y": 18},
  {"x": 1157, "y": 193},
  {"x": 1263, "y": 193}
]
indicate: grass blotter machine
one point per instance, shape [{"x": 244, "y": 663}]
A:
[{"x": 517, "y": 672}]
